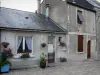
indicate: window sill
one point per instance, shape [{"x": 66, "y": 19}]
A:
[{"x": 18, "y": 56}]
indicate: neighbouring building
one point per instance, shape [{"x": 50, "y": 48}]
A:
[{"x": 79, "y": 18}]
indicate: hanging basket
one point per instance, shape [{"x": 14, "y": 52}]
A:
[
  {"x": 43, "y": 45},
  {"x": 62, "y": 44},
  {"x": 5, "y": 44}
]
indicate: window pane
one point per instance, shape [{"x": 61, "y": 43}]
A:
[
  {"x": 80, "y": 16},
  {"x": 28, "y": 43},
  {"x": 50, "y": 39},
  {"x": 20, "y": 44}
]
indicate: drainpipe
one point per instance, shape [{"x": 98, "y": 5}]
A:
[{"x": 0, "y": 46}]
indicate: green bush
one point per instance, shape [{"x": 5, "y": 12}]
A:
[
  {"x": 5, "y": 62},
  {"x": 3, "y": 56},
  {"x": 4, "y": 59},
  {"x": 25, "y": 55}
]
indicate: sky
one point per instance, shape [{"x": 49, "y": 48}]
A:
[
  {"x": 25, "y": 5},
  {"x": 98, "y": 0}
]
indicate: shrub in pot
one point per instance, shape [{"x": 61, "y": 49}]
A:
[
  {"x": 42, "y": 61},
  {"x": 4, "y": 63}
]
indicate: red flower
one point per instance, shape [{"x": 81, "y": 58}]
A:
[{"x": 5, "y": 43}]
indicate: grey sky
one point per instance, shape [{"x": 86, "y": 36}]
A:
[
  {"x": 25, "y": 5},
  {"x": 98, "y": 0}
]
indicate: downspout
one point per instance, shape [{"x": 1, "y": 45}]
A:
[
  {"x": 0, "y": 46},
  {"x": 0, "y": 35},
  {"x": 96, "y": 24}
]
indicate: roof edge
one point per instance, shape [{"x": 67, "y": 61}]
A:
[
  {"x": 80, "y": 6},
  {"x": 30, "y": 30}
]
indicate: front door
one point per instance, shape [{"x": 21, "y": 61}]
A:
[
  {"x": 80, "y": 43},
  {"x": 51, "y": 51},
  {"x": 89, "y": 49}
]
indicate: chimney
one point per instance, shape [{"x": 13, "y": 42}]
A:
[
  {"x": 38, "y": 6},
  {"x": 47, "y": 10}
]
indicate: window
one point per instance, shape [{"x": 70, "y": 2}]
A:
[
  {"x": 59, "y": 39},
  {"x": 24, "y": 44},
  {"x": 50, "y": 39},
  {"x": 80, "y": 18}
]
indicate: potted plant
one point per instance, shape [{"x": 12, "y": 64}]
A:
[
  {"x": 42, "y": 61},
  {"x": 62, "y": 44},
  {"x": 63, "y": 59},
  {"x": 4, "y": 63}
]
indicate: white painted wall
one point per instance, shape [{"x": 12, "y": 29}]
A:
[{"x": 38, "y": 38}]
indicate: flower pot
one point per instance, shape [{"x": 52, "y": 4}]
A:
[
  {"x": 42, "y": 65},
  {"x": 5, "y": 68},
  {"x": 5, "y": 46},
  {"x": 63, "y": 60}
]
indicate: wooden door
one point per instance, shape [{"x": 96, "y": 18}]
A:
[
  {"x": 51, "y": 57},
  {"x": 80, "y": 43},
  {"x": 51, "y": 51},
  {"x": 89, "y": 49}
]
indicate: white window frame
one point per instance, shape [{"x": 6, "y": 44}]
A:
[
  {"x": 68, "y": 14},
  {"x": 77, "y": 13},
  {"x": 23, "y": 42}
]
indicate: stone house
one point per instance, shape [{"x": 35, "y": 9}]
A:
[
  {"x": 78, "y": 17},
  {"x": 26, "y": 31}
]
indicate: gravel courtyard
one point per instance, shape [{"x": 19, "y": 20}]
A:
[{"x": 82, "y": 67}]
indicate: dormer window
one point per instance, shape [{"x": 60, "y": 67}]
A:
[{"x": 80, "y": 18}]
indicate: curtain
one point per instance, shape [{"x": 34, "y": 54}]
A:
[
  {"x": 29, "y": 43},
  {"x": 20, "y": 44}
]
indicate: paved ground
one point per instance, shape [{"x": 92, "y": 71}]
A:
[{"x": 78, "y": 67}]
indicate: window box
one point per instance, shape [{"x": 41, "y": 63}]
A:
[
  {"x": 63, "y": 59},
  {"x": 17, "y": 56}
]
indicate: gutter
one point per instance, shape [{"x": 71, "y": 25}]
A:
[
  {"x": 80, "y": 6},
  {"x": 33, "y": 30}
]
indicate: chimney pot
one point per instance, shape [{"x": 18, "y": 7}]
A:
[
  {"x": 39, "y": 7},
  {"x": 47, "y": 5},
  {"x": 47, "y": 10}
]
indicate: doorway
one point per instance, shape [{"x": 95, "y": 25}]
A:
[
  {"x": 80, "y": 43},
  {"x": 51, "y": 51},
  {"x": 89, "y": 49}
]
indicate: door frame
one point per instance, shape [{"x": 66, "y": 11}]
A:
[
  {"x": 77, "y": 44},
  {"x": 89, "y": 49},
  {"x": 54, "y": 46}
]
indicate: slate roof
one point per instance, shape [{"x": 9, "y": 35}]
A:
[
  {"x": 94, "y": 3},
  {"x": 17, "y": 19},
  {"x": 82, "y": 3}
]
